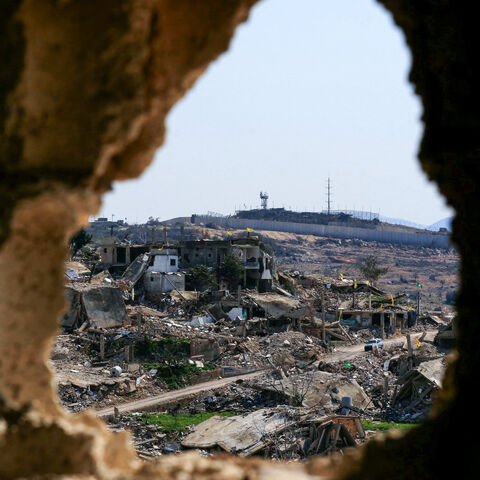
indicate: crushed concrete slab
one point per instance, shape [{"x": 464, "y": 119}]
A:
[
  {"x": 243, "y": 434},
  {"x": 135, "y": 270},
  {"x": 277, "y": 306},
  {"x": 318, "y": 388},
  {"x": 100, "y": 306},
  {"x": 433, "y": 371},
  {"x": 104, "y": 307}
]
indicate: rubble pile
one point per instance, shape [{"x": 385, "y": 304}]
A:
[
  {"x": 281, "y": 432},
  {"x": 392, "y": 382},
  {"x": 304, "y": 396},
  {"x": 290, "y": 351},
  {"x": 149, "y": 441},
  {"x": 413, "y": 399},
  {"x": 85, "y": 381}
]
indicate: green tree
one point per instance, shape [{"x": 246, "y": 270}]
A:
[
  {"x": 79, "y": 240},
  {"x": 231, "y": 271},
  {"x": 201, "y": 278},
  {"x": 369, "y": 268},
  {"x": 90, "y": 258}
]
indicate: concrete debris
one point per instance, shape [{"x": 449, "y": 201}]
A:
[
  {"x": 301, "y": 340},
  {"x": 76, "y": 271},
  {"x": 102, "y": 277},
  {"x": 417, "y": 387},
  {"x": 134, "y": 271},
  {"x": 276, "y": 306},
  {"x": 242, "y": 434},
  {"x": 279, "y": 432},
  {"x": 99, "y": 306},
  {"x": 318, "y": 389}
]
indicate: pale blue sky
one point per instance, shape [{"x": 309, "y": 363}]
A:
[{"x": 308, "y": 89}]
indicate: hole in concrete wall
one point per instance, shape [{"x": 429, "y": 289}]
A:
[
  {"x": 323, "y": 94},
  {"x": 46, "y": 208}
]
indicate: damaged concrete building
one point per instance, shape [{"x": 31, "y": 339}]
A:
[
  {"x": 175, "y": 259},
  {"x": 386, "y": 320}
]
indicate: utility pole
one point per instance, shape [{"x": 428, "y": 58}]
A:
[
  {"x": 329, "y": 195},
  {"x": 323, "y": 315},
  {"x": 382, "y": 325}
]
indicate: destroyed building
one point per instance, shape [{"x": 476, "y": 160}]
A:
[
  {"x": 117, "y": 254},
  {"x": 162, "y": 274},
  {"x": 177, "y": 258},
  {"x": 258, "y": 265},
  {"x": 386, "y": 320}
]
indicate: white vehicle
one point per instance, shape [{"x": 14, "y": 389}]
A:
[{"x": 374, "y": 344}]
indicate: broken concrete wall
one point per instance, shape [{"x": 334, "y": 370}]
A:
[
  {"x": 207, "y": 347},
  {"x": 104, "y": 307},
  {"x": 101, "y": 306},
  {"x": 84, "y": 91},
  {"x": 73, "y": 315},
  {"x": 157, "y": 283}
]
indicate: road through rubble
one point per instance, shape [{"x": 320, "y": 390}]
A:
[
  {"x": 343, "y": 354},
  {"x": 168, "y": 397}
]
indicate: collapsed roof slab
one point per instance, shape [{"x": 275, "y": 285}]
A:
[
  {"x": 104, "y": 307},
  {"x": 242, "y": 434},
  {"x": 276, "y": 306}
]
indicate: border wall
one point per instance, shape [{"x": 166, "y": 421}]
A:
[{"x": 421, "y": 239}]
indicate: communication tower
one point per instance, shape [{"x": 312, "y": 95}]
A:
[{"x": 264, "y": 199}]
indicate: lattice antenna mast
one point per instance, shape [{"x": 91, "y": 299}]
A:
[
  {"x": 264, "y": 199},
  {"x": 329, "y": 196}
]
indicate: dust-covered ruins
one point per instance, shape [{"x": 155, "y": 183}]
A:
[
  {"x": 209, "y": 344},
  {"x": 85, "y": 89}
]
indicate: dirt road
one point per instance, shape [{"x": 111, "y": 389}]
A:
[
  {"x": 168, "y": 397},
  {"x": 343, "y": 354}
]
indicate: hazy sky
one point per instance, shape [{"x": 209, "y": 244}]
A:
[{"x": 309, "y": 89}]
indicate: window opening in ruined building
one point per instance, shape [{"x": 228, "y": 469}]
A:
[{"x": 343, "y": 247}]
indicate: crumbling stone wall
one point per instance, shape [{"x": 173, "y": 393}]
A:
[{"x": 84, "y": 89}]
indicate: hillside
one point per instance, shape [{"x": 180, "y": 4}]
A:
[
  {"x": 444, "y": 223},
  {"x": 435, "y": 269}
]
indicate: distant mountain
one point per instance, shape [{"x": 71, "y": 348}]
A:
[
  {"x": 401, "y": 221},
  {"x": 444, "y": 223}
]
